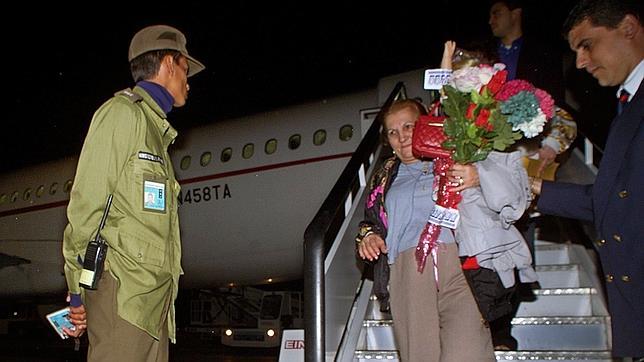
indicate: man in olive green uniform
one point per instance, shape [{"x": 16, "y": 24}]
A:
[{"x": 130, "y": 316}]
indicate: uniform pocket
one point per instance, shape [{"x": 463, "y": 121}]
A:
[{"x": 141, "y": 250}]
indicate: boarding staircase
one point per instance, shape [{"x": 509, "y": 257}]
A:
[{"x": 566, "y": 320}]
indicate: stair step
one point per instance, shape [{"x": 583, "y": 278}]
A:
[
  {"x": 559, "y": 302},
  {"x": 378, "y": 334},
  {"x": 548, "y": 254},
  {"x": 558, "y": 275},
  {"x": 586, "y": 356},
  {"x": 561, "y": 333},
  {"x": 378, "y": 355},
  {"x": 545, "y": 242}
]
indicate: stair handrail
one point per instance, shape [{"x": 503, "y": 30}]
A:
[{"x": 323, "y": 229}]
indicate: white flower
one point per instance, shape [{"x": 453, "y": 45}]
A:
[
  {"x": 473, "y": 78},
  {"x": 466, "y": 80},
  {"x": 534, "y": 127}
]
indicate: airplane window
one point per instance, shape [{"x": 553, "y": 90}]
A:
[
  {"x": 294, "y": 141},
  {"x": 68, "y": 186},
  {"x": 319, "y": 137},
  {"x": 226, "y": 154},
  {"x": 248, "y": 150},
  {"x": 27, "y": 194},
  {"x": 185, "y": 162},
  {"x": 3, "y": 199},
  {"x": 206, "y": 157},
  {"x": 53, "y": 188},
  {"x": 346, "y": 132},
  {"x": 271, "y": 146},
  {"x": 14, "y": 196},
  {"x": 40, "y": 190}
]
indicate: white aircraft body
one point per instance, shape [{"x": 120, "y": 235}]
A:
[{"x": 242, "y": 221}]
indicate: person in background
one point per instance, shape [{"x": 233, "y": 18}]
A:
[
  {"x": 608, "y": 39},
  {"x": 435, "y": 315},
  {"x": 130, "y": 316},
  {"x": 541, "y": 64}
]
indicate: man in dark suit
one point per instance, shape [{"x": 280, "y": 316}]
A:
[{"x": 608, "y": 39}]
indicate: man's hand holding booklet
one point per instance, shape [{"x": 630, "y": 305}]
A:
[{"x": 59, "y": 320}]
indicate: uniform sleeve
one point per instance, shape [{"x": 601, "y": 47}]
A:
[
  {"x": 108, "y": 146},
  {"x": 567, "y": 200}
]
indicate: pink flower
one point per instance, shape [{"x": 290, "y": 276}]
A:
[
  {"x": 546, "y": 103},
  {"x": 513, "y": 87}
]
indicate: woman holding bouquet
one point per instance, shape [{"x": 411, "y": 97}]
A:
[{"x": 435, "y": 315}]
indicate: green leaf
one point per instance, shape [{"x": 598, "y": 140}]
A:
[{"x": 471, "y": 131}]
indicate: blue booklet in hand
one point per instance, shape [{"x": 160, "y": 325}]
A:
[{"x": 60, "y": 319}]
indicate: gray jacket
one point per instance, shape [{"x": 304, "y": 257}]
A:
[{"x": 487, "y": 213}]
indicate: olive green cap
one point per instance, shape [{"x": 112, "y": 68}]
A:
[{"x": 159, "y": 37}]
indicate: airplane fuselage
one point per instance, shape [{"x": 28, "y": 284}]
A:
[{"x": 249, "y": 188}]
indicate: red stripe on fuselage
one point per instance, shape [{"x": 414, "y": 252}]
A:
[
  {"x": 50, "y": 205},
  {"x": 262, "y": 168}
]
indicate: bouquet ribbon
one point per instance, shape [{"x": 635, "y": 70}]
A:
[{"x": 444, "y": 214}]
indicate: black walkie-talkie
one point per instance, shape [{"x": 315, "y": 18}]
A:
[{"x": 95, "y": 255}]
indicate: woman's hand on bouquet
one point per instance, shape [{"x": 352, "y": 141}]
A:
[{"x": 463, "y": 176}]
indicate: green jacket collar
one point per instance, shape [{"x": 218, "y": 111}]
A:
[{"x": 161, "y": 121}]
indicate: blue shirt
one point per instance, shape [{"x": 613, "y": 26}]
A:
[
  {"x": 510, "y": 56},
  {"x": 409, "y": 204}
]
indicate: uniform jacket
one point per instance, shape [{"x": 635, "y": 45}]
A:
[
  {"x": 125, "y": 154},
  {"x": 615, "y": 204}
]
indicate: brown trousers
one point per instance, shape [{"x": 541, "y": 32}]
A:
[
  {"x": 111, "y": 338},
  {"x": 436, "y": 324}
]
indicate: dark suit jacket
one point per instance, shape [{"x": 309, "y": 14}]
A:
[
  {"x": 615, "y": 204},
  {"x": 541, "y": 64}
]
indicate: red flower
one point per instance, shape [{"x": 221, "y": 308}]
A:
[
  {"x": 482, "y": 119},
  {"x": 497, "y": 81},
  {"x": 469, "y": 114}
]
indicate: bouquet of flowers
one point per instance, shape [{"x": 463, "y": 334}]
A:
[
  {"x": 487, "y": 113},
  {"x": 484, "y": 113}
]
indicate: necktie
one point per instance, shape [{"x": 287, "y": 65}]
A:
[{"x": 623, "y": 99}]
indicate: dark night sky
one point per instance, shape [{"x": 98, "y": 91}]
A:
[{"x": 59, "y": 67}]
